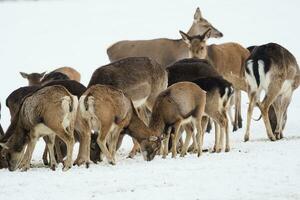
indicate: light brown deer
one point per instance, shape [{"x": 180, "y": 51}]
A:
[
  {"x": 108, "y": 111},
  {"x": 182, "y": 104},
  {"x": 37, "y": 78},
  {"x": 218, "y": 95},
  {"x": 228, "y": 59},
  {"x": 274, "y": 69},
  {"x": 164, "y": 51},
  {"x": 140, "y": 78},
  {"x": 50, "y": 111}
]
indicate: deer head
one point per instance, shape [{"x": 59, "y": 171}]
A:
[
  {"x": 33, "y": 78},
  {"x": 150, "y": 147},
  {"x": 196, "y": 44},
  {"x": 200, "y": 25}
]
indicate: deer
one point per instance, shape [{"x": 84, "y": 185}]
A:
[
  {"x": 164, "y": 51},
  {"x": 57, "y": 74},
  {"x": 108, "y": 112},
  {"x": 273, "y": 69},
  {"x": 272, "y": 114},
  {"x": 50, "y": 111},
  {"x": 180, "y": 105},
  {"x": 228, "y": 59},
  {"x": 218, "y": 95},
  {"x": 140, "y": 78},
  {"x": 75, "y": 88}
]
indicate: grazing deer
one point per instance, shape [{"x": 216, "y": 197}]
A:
[
  {"x": 164, "y": 51},
  {"x": 50, "y": 111},
  {"x": 218, "y": 94},
  {"x": 62, "y": 73},
  {"x": 140, "y": 78},
  {"x": 274, "y": 69},
  {"x": 180, "y": 105},
  {"x": 107, "y": 111},
  {"x": 228, "y": 59},
  {"x": 75, "y": 88}
]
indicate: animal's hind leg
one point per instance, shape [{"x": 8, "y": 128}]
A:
[
  {"x": 45, "y": 153},
  {"x": 252, "y": 98},
  {"x": 264, "y": 106},
  {"x": 237, "y": 107},
  {"x": 69, "y": 141},
  {"x": 101, "y": 140},
  {"x": 175, "y": 138},
  {"x": 50, "y": 145},
  {"x": 189, "y": 132},
  {"x": 25, "y": 165}
]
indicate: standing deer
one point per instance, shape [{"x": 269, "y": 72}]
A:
[
  {"x": 218, "y": 94},
  {"x": 272, "y": 114},
  {"x": 140, "y": 78},
  {"x": 228, "y": 59},
  {"x": 180, "y": 105},
  {"x": 107, "y": 111},
  {"x": 164, "y": 51},
  {"x": 274, "y": 69},
  {"x": 50, "y": 111},
  {"x": 58, "y": 74}
]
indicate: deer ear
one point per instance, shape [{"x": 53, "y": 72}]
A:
[
  {"x": 185, "y": 37},
  {"x": 206, "y": 35},
  {"x": 24, "y": 75},
  {"x": 4, "y": 145},
  {"x": 197, "y": 15},
  {"x": 42, "y": 74},
  {"x": 153, "y": 138}
]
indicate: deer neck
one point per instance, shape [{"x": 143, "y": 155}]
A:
[
  {"x": 137, "y": 128},
  {"x": 157, "y": 124}
]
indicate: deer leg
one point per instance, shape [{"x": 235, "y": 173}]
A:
[
  {"x": 28, "y": 155},
  {"x": 252, "y": 98},
  {"x": 166, "y": 145},
  {"x": 189, "y": 132},
  {"x": 200, "y": 137},
  {"x": 69, "y": 140},
  {"x": 226, "y": 127},
  {"x": 84, "y": 146},
  {"x": 101, "y": 140},
  {"x": 217, "y": 135},
  {"x": 134, "y": 149},
  {"x": 284, "y": 103},
  {"x": 114, "y": 142},
  {"x": 59, "y": 155},
  {"x": 236, "y": 110},
  {"x": 239, "y": 105},
  {"x": 175, "y": 138},
  {"x": 45, "y": 153},
  {"x": 50, "y": 145}
]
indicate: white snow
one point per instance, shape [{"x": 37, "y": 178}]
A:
[{"x": 43, "y": 35}]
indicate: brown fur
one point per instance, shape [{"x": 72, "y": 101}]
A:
[
  {"x": 108, "y": 111},
  {"x": 229, "y": 60},
  {"x": 281, "y": 69},
  {"x": 140, "y": 78},
  {"x": 42, "y": 113},
  {"x": 172, "y": 107},
  {"x": 164, "y": 51},
  {"x": 37, "y": 78}
]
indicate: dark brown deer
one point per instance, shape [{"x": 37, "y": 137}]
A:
[
  {"x": 58, "y": 74},
  {"x": 274, "y": 69},
  {"x": 164, "y": 51},
  {"x": 50, "y": 111},
  {"x": 228, "y": 59},
  {"x": 140, "y": 78}
]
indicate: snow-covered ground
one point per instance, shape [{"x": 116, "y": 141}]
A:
[{"x": 42, "y": 35}]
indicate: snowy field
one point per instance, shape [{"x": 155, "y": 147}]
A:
[{"x": 37, "y": 36}]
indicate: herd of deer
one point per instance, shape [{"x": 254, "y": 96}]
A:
[{"x": 153, "y": 91}]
